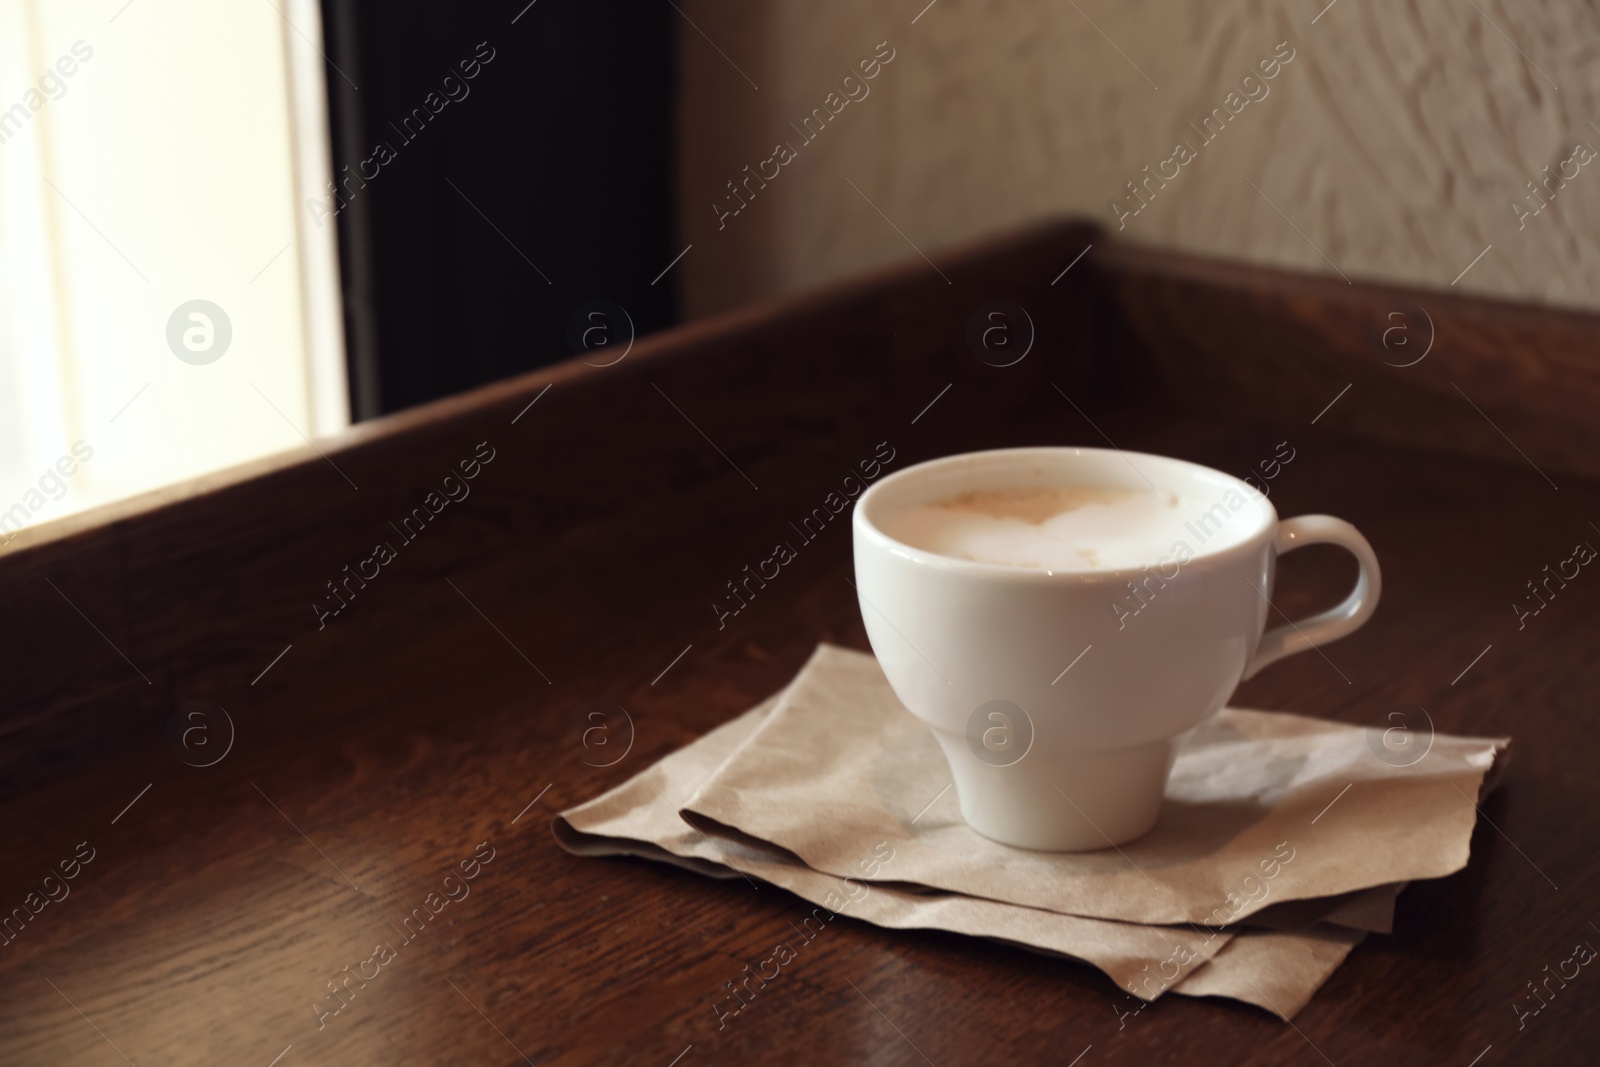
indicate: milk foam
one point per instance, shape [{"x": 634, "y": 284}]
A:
[{"x": 1073, "y": 528}]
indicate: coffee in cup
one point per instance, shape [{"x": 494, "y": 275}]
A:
[{"x": 1059, "y": 617}]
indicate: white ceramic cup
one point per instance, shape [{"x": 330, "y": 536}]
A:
[{"x": 1057, "y": 710}]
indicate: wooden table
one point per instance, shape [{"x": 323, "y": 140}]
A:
[{"x": 439, "y": 717}]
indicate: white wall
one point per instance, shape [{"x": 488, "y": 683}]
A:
[{"x": 1395, "y": 140}]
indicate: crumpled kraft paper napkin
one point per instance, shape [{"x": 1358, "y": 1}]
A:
[
  {"x": 645, "y": 810},
  {"x": 640, "y": 818},
  {"x": 1261, "y": 807}
]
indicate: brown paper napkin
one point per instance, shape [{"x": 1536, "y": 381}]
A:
[
  {"x": 1261, "y": 808},
  {"x": 1280, "y": 973},
  {"x": 643, "y": 812},
  {"x": 1274, "y": 970}
]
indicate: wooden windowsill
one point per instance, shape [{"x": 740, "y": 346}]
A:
[{"x": 374, "y": 751}]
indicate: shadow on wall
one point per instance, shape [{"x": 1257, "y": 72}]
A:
[{"x": 499, "y": 168}]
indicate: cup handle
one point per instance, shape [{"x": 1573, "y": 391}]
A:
[{"x": 1336, "y": 622}]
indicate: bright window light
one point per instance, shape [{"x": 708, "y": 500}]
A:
[{"x": 167, "y": 306}]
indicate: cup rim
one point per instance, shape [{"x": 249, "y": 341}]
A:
[{"x": 865, "y": 527}]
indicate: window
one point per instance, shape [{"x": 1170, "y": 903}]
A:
[{"x": 167, "y": 306}]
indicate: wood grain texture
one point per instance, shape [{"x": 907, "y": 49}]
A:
[
  {"x": 195, "y": 596},
  {"x": 382, "y": 750},
  {"x": 1506, "y": 382}
]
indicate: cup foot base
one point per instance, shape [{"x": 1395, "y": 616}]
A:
[
  {"x": 1089, "y": 839},
  {"x": 1066, "y": 802}
]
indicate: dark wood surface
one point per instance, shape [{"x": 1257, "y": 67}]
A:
[
  {"x": 380, "y": 751},
  {"x": 1427, "y": 368}
]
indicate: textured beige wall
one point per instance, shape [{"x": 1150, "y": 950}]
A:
[{"x": 1395, "y": 140}]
